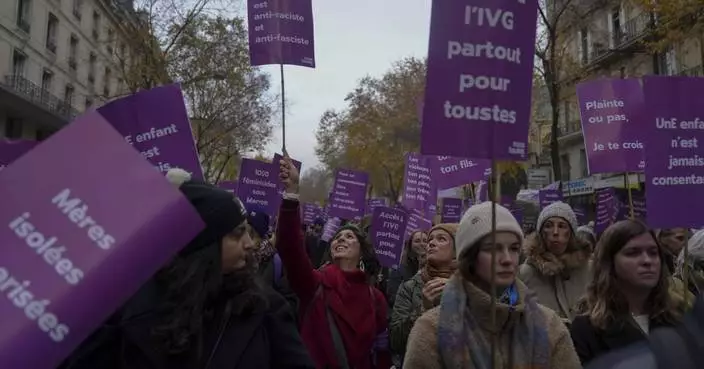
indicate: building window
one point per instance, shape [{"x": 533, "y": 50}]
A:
[
  {"x": 13, "y": 128},
  {"x": 77, "y": 8},
  {"x": 68, "y": 95},
  {"x": 106, "y": 82},
  {"x": 19, "y": 62},
  {"x": 43, "y": 133},
  {"x": 23, "y": 7},
  {"x": 96, "y": 25},
  {"x": 111, "y": 39},
  {"x": 583, "y": 163},
  {"x": 565, "y": 167},
  {"x": 89, "y": 103},
  {"x": 73, "y": 52},
  {"x": 52, "y": 27},
  {"x": 47, "y": 79},
  {"x": 92, "y": 61},
  {"x": 584, "y": 45},
  {"x": 616, "y": 25}
]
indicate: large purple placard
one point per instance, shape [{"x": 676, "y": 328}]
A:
[
  {"x": 418, "y": 187},
  {"x": 479, "y": 80},
  {"x": 451, "y": 210},
  {"x": 156, "y": 123},
  {"x": 387, "y": 234},
  {"x": 547, "y": 197},
  {"x": 79, "y": 237},
  {"x": 281, "y": 32},
  {"x": 329, "y": 229},
  {"x": 607, "y": 208},
  {"x": 347, "y": 198},
  {"x": 12, "y": 150},
  {"x": 674, "y": 131},
  {"x": 374, "y": 203},
  {"x": 258, "y": 185},
  {"x": 613, "y": 126},
  {"x": 417, "y": 222},
  {"x": 310, "y": 211},
  {"x": 450, "y": 172}
]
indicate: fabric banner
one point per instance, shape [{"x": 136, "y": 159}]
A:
[
  {"x": 479, "y": 81},
  {"x": 257, "y": 185},
  {"x": 449, "y": 172},
  {"x": 12, "y": 150},
  {"x": 417, "y": 222},
  {"x": 418, "y": 187},
  {"x": 348, "y": 195},
  {"x": 79, "y": 242},
  {"x": 329, "y": 229},
  {"x": 612, "y": 121},
  {"x": 547, "y": 197},
  {"x": 673, "y": 131},
  {"x": 607, "y": 208},
  {"x": 230, "y": 186},
  {"x": 387, "y": 234},
  {"x": 156, "y": 123},
  {"x": 451, "y": 210},
  {"x": 281, "y": 32}
]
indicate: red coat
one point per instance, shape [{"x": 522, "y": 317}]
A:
[{"x": 347, "y": 294}]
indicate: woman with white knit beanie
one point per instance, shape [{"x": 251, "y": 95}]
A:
[
  {"x": 557, "y": 261},
  {"x": 695, "y": 258},
  {"x": 458, "y": 333}
]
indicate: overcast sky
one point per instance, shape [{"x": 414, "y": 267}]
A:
[{"x": 352, "y": 39}]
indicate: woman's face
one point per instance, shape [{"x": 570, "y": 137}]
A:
[
  {"x": 508, "y": 251},
  {"x": 235, "y": 247},
  {"x": 637, "y": 264},
  {"x": 441, "y": 247},
  {"x": 556, "y": 232},
  {"x": 674, "y": 239},
  {"x": 419, "y": 242},
  {"x": 345, "y": 245}
]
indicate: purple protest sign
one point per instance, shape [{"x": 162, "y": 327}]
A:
[
  {"x": 276, "y": 162},
  {"x": 611, "y": 112},
  {"x": 387, "y": 234},
  {"x": 374, "y": 203},
  {"x": 310, "y": 212},
  {"x": 517, "y": 213},
  {"x": 450, "y": 172},
  {"x": 229, "y": 185},
  {"x": 418, "y": 188},
  {"x": 257, "y": 185},
  {"x": 479, "y": 80},
  {"x": 607, "y": 208},
  {"x": 347, "y": 198},
  {"x": 674, "y": 131},
  {"x": 281, "y": 32},
  {"x": 547, "y": 197},
  {"x": 330, "y": 228},
  {"x": 581, "y": 214},
  {"x": 12, "y": 150},
  {"x": 417, "y": 223},
  {"x": 162, "y": 135},
  {"x": 451, "y": 210},
  {"x": 66, "y": 243}
]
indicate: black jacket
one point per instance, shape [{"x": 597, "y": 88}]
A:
[
  {"x": 267, "y": 271},
  {"x": 267, "y": 339}
]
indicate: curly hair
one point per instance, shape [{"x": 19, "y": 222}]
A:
[{"x": 604, "y": 302}]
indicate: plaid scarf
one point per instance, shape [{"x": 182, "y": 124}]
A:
[{"x": 462, "y": 343}]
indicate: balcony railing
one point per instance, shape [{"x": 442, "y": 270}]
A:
[
  {"x": 36, "y": 94},
  {"x": 633, "y": 29},
  {"x": 697, "y": 71}
]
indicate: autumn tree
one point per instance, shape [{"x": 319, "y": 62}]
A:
[
  {"x": 378, "y": 127},
  {"x": 674, "y": 22},
  {"x": 554, "y": 63},
  {"x": 315, "y": 184}
]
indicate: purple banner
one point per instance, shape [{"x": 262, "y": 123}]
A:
[
  {"x": 156, "y": 123},
  {"x": 310, "y": 212},
  {"x": 418, "y": 187},
  {"x": 417, "y": 223},
  {"x": 387, "y": 234},
  {"x": 673, "y": 131},
  {"x": 612, "y": 117},
  {"x": 330, "y": 228},
  {"x": 347, "y": 198},
  {"x": 281, "y": 32},
  {"x": 257, "y": 185},
  {"x": 12, "y": 150},
  {"x": 450, "y": 172},
  {"x": 547, "y": 197},
  {"x": 66, "y": 244},
  {"x": 374, "y": 203},
  {"x": 451, "y": 210},
  {"x": 581, "y": 214},
  {"x": 479, "y": 80},
  {"x": 276, "y": 161},
  {"x": 607, "y": 208},
  {"x": 230, "y": 186}
]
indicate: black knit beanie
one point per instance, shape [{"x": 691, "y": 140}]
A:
[{"x": 220, "y": 210}]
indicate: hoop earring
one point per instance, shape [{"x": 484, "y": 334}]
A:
[{"x": 361, "y": 265}]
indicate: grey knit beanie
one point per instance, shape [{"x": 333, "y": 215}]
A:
[
  {"x": 476, "y": 223},
  {"x": 558, "y": 209}
]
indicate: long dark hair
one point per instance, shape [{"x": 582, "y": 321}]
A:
[{"x": 410, "y": 259}]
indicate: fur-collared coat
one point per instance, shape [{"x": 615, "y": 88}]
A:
[{"x": 559, "y": 282}]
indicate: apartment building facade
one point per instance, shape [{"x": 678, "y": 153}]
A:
[
  {"x": 607, "y": 43},
  {"x": 57, "y": 59}
]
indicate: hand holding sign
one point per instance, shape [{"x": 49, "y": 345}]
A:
[{"x": 288, "y": 174}]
